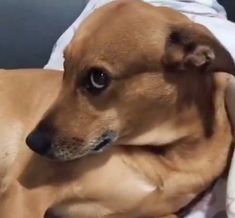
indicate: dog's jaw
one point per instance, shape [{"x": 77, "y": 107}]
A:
[
  {"x": 98, "y": 145},
  {"x": 165, "y": 133}
]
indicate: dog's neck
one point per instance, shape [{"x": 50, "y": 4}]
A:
[
  {"x": 191, "y": 159},
  {"x": 182, "y": 144},
  {"x": 192, "y": 115},
  {"x": 184, "y": 138}
]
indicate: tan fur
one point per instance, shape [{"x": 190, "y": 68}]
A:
[{"x": 173, "y": 132}]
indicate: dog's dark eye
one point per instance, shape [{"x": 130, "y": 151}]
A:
[{"x": 96, "y": 81}]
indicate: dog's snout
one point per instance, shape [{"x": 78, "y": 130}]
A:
[{"x": 39, "y": 141}]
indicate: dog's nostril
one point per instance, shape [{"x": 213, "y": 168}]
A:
[{"x": 39, "y": 141}]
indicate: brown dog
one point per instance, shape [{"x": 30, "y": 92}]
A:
[{"x": 142, "y": 82}]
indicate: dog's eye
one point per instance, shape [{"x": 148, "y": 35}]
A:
[{"x": 96, "y": 81}]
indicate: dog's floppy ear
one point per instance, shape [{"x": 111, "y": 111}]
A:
[{"x": 193, "y": 47}]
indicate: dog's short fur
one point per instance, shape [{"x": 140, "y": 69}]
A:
[{"x": 163, "y": 112}]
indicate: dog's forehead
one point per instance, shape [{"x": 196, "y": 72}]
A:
[{"x": 122, "y": 35}]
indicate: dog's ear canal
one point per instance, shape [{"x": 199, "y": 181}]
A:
[{"x": 193, "y": 47}]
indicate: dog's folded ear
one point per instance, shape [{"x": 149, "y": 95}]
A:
[{"x": 194, "y": 47}]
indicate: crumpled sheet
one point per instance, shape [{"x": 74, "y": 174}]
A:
[{"x": 220, "y": 201}]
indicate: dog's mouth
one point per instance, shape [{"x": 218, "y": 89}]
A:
[{"x": 104, "y": 141}]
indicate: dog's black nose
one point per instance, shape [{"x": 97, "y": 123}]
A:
[{"x": 39, "y": 141}]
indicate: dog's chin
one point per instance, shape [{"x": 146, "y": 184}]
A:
[
  {"x": 93, "y": 147},
  {"x": 63, "y": 156}
]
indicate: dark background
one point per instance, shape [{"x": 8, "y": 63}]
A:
[
  {"x": 230, "y": 8},
  {"x": 29, "y": 28}
]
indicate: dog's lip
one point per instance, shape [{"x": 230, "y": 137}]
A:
[{"x": 104, "y": 141}]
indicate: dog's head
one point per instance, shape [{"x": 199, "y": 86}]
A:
[{"x": 134, "y": 75}]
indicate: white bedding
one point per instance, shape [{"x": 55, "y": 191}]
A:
[{"x": 218, "y": 202}]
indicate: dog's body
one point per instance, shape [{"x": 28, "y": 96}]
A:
[
  {"x": 170, "y": 131},
  {"x": 125, "y": 182}
]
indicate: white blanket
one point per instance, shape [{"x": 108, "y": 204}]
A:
[{"x": 220, "y": 202}]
